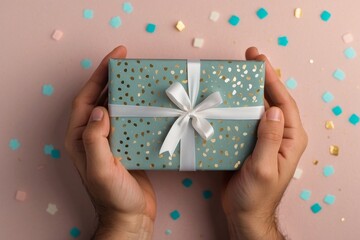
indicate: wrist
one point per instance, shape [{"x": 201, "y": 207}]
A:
[
  {"x": 124, "y": 226},
  {"x": 253, "y": 227}
]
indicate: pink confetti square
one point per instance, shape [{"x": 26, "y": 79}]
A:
[
  {"x": 57, "y": 35},
  {"x": 20, "y": 196}
]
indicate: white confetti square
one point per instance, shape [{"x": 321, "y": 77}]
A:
[
  {"x": 52, "y": 208},
  {"x": 348, "y": 38},
  {"x": 298, "y": 173},
  {"x": 198, "y": 42},
  {"x": 214, "y": 16},
  {"x": 57, "y": 35}
]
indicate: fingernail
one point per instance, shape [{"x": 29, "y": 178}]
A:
[
  {"x": 96, "y": 115},
  {"x": 273, "y": 114}
]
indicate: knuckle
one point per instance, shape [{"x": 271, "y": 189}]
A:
[
  {"x": 273, "y": 136},
  {"x": 263, "y": 173},
  {"x": 76, "y": 103},
  {"x": 89, "y": 137},
  {"x": 98, "y": 178}
]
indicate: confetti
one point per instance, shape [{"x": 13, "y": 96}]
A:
[
  {"x": 198, "y": 42},
  {"x": 75, "y": 232},
  {"x": 127, "y": 7},
  {"x": 343, "y": 219},
  {"x": 350, "y": 53},
  {"x": 150, "y": 28},
  {"x": 234, "y": 20},
  {"x": 329, "y": 199},
  {"x": 14, "y": 144},
  {"x": 20, "y": 196},
  {"x": 337, "y": 110},
  {"x": 180, "y": 26},
  {"x": 86, "y": 63},
  {"x": 339, "y": 74},
  {"x": 327, "y": 97},
  {"x": 88, "y": 13},
  {"x": 262, "y": 13},
  {"x": 329, "y": 124},
  {"x": 115, "y": 22},
  {"x": 207, "y": 194},
  {"x": 298, "y": 173},
  {"x": 283, "y": 41},
  {"x": 278, "y": 72},
  {"x": 187, "y": 182},
  {"x": 354, "y": 119},
  {"x": 311, "y": 61},
  {"x": 175, "y": 215},
  {"x": 325, "y": 16},
  {"x": 55, "y": 153},
  {"x": 334, "y": 150},
  {"x": 328, "y": 171},
  {"x": 52, "y": 209},
  {"x": 214, "y": 16},
  {"x": 48, "y": 149},
  {"x": 298, "y": 12},
  {"x": 348, "y": 38},
  {"x": 305, "y": 195},
  {"x": 168, "y": 231},
  {"x": 57, "y": 35},
  {"x": 315, "y": 162},
  {"x": 316, "y": 208},
  {"x": 291, "y": 83},
  {"x": 47, "y": 90}
]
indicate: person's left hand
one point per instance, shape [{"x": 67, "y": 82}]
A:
[{"x": 125, "y": 202}]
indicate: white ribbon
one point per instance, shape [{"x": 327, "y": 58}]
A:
[{"x": 182, "y": 131}]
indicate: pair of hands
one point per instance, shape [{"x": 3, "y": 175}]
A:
[{"x": 125, "y": 200}]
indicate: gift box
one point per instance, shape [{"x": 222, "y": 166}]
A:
[{"x": 184, "y": 114}]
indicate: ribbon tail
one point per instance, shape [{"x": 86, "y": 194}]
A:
[{"x": 187, "y": 150}]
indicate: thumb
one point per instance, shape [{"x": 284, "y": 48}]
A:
[
  {"x": 98, "y": 153},
  {"x": 270, "y": 135}
]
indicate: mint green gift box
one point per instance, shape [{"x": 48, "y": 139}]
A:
[{"x": 136, "y": 141}]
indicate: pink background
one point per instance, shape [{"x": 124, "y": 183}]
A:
[{"x": 30, "y": 58}]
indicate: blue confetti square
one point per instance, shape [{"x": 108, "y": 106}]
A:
[
  {"x": 350, "y": 53},
  {"x": 329, "y": 199},
  {"x": 55, "y": 153},
  {"x": 325, "y": 16},
  {"x": 47, "y": 90},
  {"x": 283, "y": 41},
  {"x": 150, "y": 28},
  {"x": 175, "y": 215},
  {"x": 262, "y": 13},
  {"x": 234, "y": 20},
  {"x": 305, "y": 195},
  {"x": 291, "y": 83},
  {"x": 187, "y": 182},
  {"x": 75, "y": 232},
  {"x": 115, "y": 22},
  {"x": 14, "y": 144},
  {"x": 327, "y": 97},
  {"x": 316, "y": 208},
  {"x": 88, "y": 13},
  {"x": 339, "y": 74},
  {"x": 127, "y": 7},
  {"x": 86, "y": 63},
  {"x": 207, "y": 194},
  {"x": 328, "y": 171},
  {"x": 337, "y": 110},
  {"x": 354, "y": 119},
  {"x": 48, "y": 149}
]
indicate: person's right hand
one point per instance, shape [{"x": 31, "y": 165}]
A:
[{"x": 252, "y": 194}]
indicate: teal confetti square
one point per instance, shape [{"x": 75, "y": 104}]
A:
[
  {"x": 328, "y": 171},
  {"x": 354, "y": 119},
  {"x": 350, "y": 53},
  {"x": 316, "y": 208},
  {"x": 127, "y": 7},
  {"x": 283, "y": 41},
  {"x": 329, "y": 199},
  {"x": 48, "y": 149},
  {"x": 175, "y": 215},
  {"x": 55, "y": 153},
  {"x": 150, "y": 28},
  {"x": 234, "y": 20},
  {"x": 337, "y": 110},
  {"x": 339, "y": 74},
  {"x": 305, "y": 195},
  {"x": 325, "y": 16},
  {"x": 115, "y": 22},
  {"x": 86, "y": 63},
  {"x": 168, "y": 231},
  {"x": 75, "y": 232},
  {"x": 47, "y": 90},
  {"x": 327, "y": 97},
  {"x": 88, "y": 13},
  {"x": 14, "y": 144},
  {"x": 262, "y": 13},
  {"x": 291, "y": 83},
  {"x": 207, "y": 194},
  {"x": 187, "y": 182}
]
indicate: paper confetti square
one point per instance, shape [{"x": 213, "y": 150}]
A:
[
  {"x": 328, "y": 171},
  {"x": 214, "y": 16},
  {"x": 55, "y": 153},
  {"x": 339, "y": 74},
  {"x": 329, "y": 199},
  {"x": 198, "y": 42},
  {"x": 283, "y": 41},
  {"x": 57, "y": 35},
  {"x": 334, "y": 150},
  {"x": 207, "y": 194},
  {"x": 88, "y": 13},
  {"x": 298, "y": 173},
  {"x": 48, "y": 149},
  {"x": 354, "y": 119},
  {"x": 298, "y": 12},
  {"x": 168, "y": 231},
  {"x": 316, "y": 208},
  {"x": 86, "y": 63},
  {"x": 175, "y": 215},
  {"x": 305, "y": 195},
  {"x": 234, "y": 20},
  {"x": 115, "y": 22},
  {"x": 51, "y": 209},
  {"x": 348, "y": 38},
  {"x": 150, "y": 28},
  {"x": 47, "y": 89},
  {"x": 75, "y": 232},
  {"x": 14, "y": 144},
  {"x": 20, "y": 196},
  {"x": 127, "y": 7},
  {"x": 291, "y": 83},
  {"x": 187, "y": 182},
  {"x": 337, "y": 110},
  {"x": 262, "y": 13},
  {"x": 329, "y": 124},
  {"x": 350, "y": 53},
  {"x": 180, "y": 26},
  {"x": 325, "y": 16},
  {"x": 327, "y": 97}
]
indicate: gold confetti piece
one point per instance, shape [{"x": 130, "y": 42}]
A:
[
  {"x": 343, "y": 219},
  {"x": 329, "y": 124},
  {"x": 180, "y": 26},
  {"x": 334, "y": 150},
  {"x": 278, "y": 72},
  {"x": 315, "y": 162},
  {"x": 298, "y": 12}
]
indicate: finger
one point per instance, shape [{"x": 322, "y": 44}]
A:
[
  {"x": 251, "y": 53},
  {"x": 270, "y": 133},
  {"x": 98, "y": 153}
]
